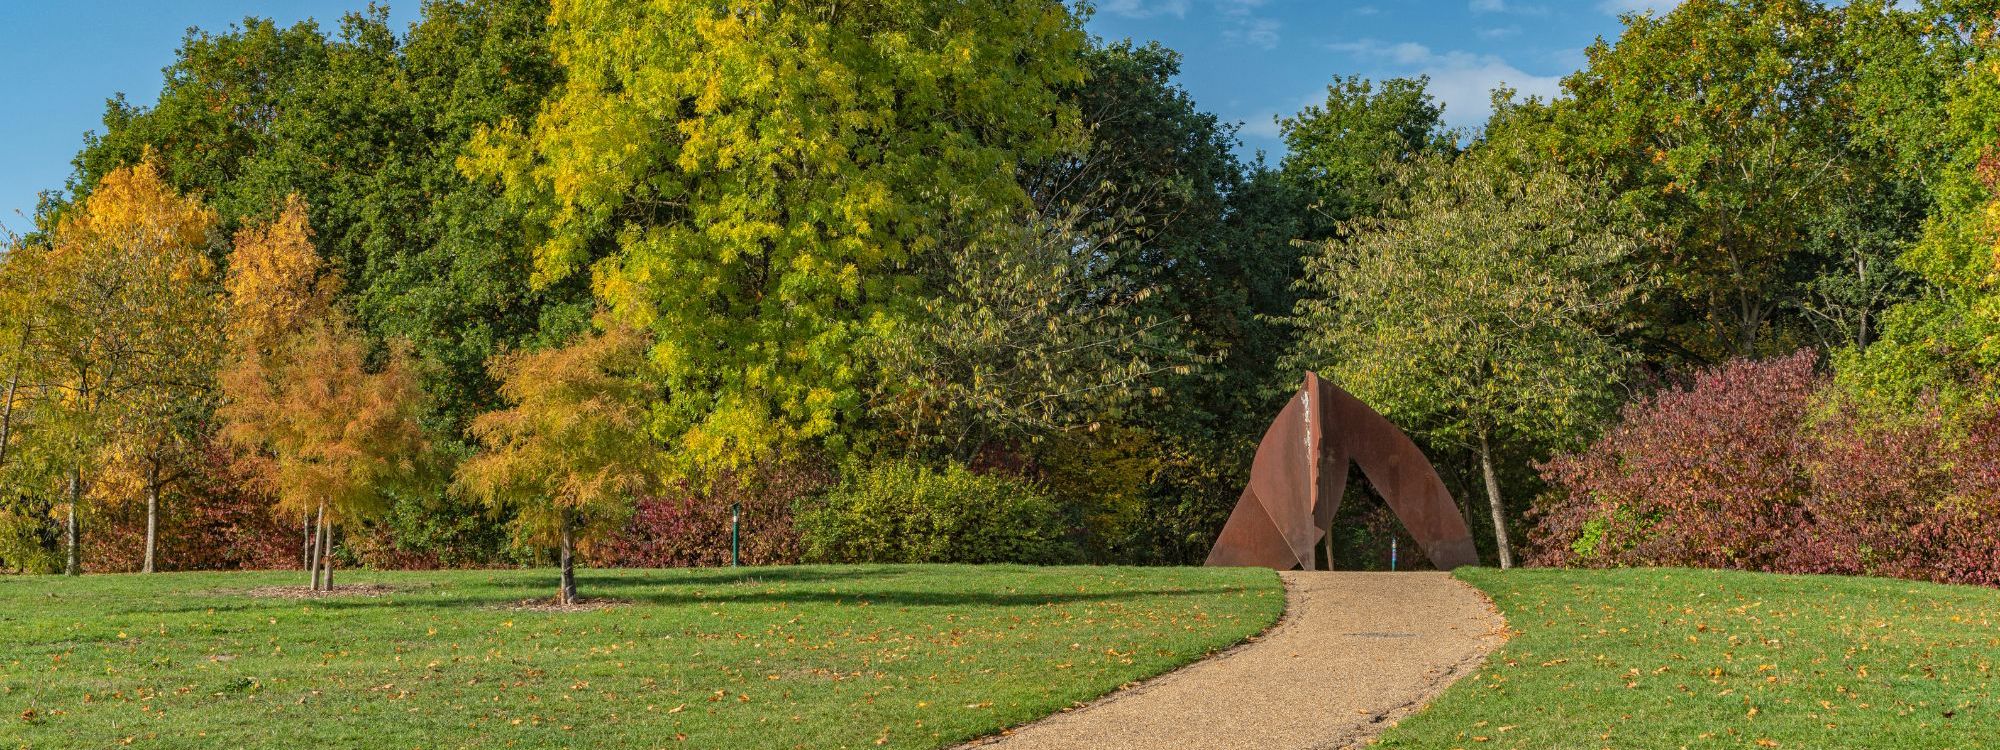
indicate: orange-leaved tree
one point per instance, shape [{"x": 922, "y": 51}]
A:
[
  {"x": 117, "y": 314},
  {"x": 571, "y": 451},
  {"x": 315, "y": 425}
]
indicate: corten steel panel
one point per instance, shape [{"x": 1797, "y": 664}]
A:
[{"x": 1300, "y": 474}]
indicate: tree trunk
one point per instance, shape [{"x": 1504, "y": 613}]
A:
[
  {"x": 567, "y": 593},
  {"x": 73, "y": 564},
  {"x": 152, "y": 515},
  {"x": 1493, "y": 499},
  {"x": 7, "y": 411},
  {"x": 318, "y": 546},
  {"x": 306, "y": 547},
  {"x": 326, "y": 557}
]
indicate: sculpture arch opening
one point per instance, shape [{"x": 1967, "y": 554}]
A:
[{"x": 1300, "y": 475}]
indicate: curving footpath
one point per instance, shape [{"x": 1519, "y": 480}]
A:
[{"x": 1353, "y": 653}]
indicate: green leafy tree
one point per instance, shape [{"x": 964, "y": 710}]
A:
[
  {"x": 1474, "y": 311},
  {"x": 1341, "y": 154},
  {"x": 1209, "y": 242},
  {"x": 371, "y": 121},
  {"x": 1941, "y": 346},
  {"x": 571, "y": 451},
  {"x": 1724, "y": 122},
  {"x": 749, "y": 182},
  {"x": 1031, "y": 335}
]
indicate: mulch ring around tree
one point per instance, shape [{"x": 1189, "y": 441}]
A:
[
  {"x": 307, "y": 592},
  {"x": 549, "y": 604}
]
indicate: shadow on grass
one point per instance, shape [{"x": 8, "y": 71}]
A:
[
  {"x": 731, "y": 576},
  {"x": 715, "y": 586}
]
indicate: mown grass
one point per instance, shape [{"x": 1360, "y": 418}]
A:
[
  {"x": 1712, "y": 659},
  {"x": 802, "y": 657}
]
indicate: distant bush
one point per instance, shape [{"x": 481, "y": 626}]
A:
[
  {"x": 688, "y": 528},
  {"x": 211, "y": 520},
  {"x": 30, "y": 541},
  {"x": 1759, "y": 466},
  {"x": 903, "y": 512}
]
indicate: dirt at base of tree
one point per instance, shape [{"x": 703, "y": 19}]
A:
[
  {"x": 307, "y": 592},
  {"x": 551, "y": 605}
]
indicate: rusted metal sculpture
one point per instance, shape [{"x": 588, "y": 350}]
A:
[{"x": 1300, "y": 474}]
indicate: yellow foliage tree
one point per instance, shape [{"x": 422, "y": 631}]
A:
[
  {"x": 277, "y": 283},
  {"x": 572, "y": 450},
  {"x": 117, "y": 317},
  {"x": 767, "y": 172},
  {"x": 314, "y": 425}
]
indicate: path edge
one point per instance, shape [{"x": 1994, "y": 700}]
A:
[
  {"x": 1287, "y": 618},
  {"x": 1491, "y": 642}
]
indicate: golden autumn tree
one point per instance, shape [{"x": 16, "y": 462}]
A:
[
  {"x": 117, "y": 319},
  {"x": 315, "y": 425},
  {"x": 277, "y": 283},
  {"x": 571, "y": 451}
]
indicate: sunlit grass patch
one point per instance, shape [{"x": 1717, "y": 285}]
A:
[
  {"x": 1717, "y": 659},
  {"x": 802, "y": 657}
]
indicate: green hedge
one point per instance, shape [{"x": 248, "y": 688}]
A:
[{"x": 907, "y": 513}]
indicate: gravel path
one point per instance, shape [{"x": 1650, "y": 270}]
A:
[{"x": 1353, "y": 653}]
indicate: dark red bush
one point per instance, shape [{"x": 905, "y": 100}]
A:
[
  {"x": 690, "y": 528},
  {"x": 1704, "y": 476},
  {"x": 210, "y": 521},
  {"x": 1965, "y": 529},
  {"x": 1756, "y": 467},
  {"x": 1875, "y": 478}
]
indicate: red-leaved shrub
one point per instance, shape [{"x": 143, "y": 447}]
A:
[
  {"x": 1965, "y": 528},
  {"x": 210, "y": 521},
  {"x": 1706, "y": 476},
  {"x": 1875, "y": 478},
  {"x": 690, "y": 528},
  {"x": 1756, "y": 467}
]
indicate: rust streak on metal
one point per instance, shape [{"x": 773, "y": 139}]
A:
[{"x": 1300, "y": 474}]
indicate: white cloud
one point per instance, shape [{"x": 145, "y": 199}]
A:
[
  {"x": 1403, "y": 53},
  {"x": 1263, "y": 125},
  {"x": 1364, "y": 10},
  {"x": 1462, "y": 81},
  {"x": 1258, "y": 32},
  {"x": 1507, "y": 6},
  {"x": 1649, "y": 7},
  {"x": 1499, "y": 33},
  {"x": 1146, "y": 8},
  {"x": 1242, "y": 25}
]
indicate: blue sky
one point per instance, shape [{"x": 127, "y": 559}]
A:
[{"x": 1246, "y": 60}]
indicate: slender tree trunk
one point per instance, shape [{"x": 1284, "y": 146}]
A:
[
  {"x": 13, "y": 384},
  {"x": 326, "y": 557},
  {"x": 567, "y": 592},
  {"x": 152, "y": 514},
  {"x": 73, "y": 564},
  {"x": 306, "y": 547},
  {"x": 318, "y": 545},
  {"x": 1493, "y": 499}
]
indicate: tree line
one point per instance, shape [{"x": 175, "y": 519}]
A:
[{"x": 527, "y": 281}]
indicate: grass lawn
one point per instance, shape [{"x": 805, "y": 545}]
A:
[
  {"x": 802, "y": 657},
  {"x": 1709, "y": 659}
]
